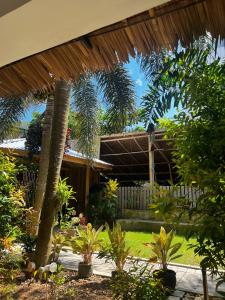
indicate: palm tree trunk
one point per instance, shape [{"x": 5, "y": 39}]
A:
[
  {"x": 43, "y": 165},
  {"x": 58, "y": 137}
]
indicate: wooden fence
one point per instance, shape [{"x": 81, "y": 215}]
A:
[{"x": 139, "y": 198}]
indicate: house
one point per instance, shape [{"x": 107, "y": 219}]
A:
[{"x": 75, "y": 166}]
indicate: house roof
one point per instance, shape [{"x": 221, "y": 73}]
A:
[
  {"x": 17, "y": 147},
  {"x": 129, "y": 154},
  {"x": 158, "y": 27},
  {"x": 28, "y": 27}
]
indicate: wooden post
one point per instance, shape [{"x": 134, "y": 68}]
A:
[
  {"x": 87, "y": 186},
  {"x": 151, "y": 162}
]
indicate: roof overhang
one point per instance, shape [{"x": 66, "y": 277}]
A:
[
  {"x": 71, "y": 160},
  {"x": 31, "y": 26},
  {"x": 151, "y": 30}
]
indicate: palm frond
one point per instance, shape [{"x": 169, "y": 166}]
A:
[
  {"x": 151, "y": 64},
  {"x": 86, "y": 106},
  {"x": 118, "y": 92},
  {"x": 11, "y": 111}
]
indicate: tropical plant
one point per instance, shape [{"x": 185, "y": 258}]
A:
[
  {"x": 86, "y": 117},
  {"x": 102, "y": 206},
  {"x": 64, "y": 194},
  {"x": 10, "y": 265},
  {"x": 11, "y": 112},
  {"x": 137, "y": 283},
  {"x": 57, "y": 146},
  {"x": 69, "y": 219},
  {"x": 117, "y": 92},
  {"x": 117, "y": 250},
  {"x": 34, "y": 134},
  {"x": 58, "y": 241},
  {"x": 198, "y": 164},
  {"x": 46, "y": 127},
  {"x": 166, "y": 87},
  {"x": 86, "y": 242},
  {"x": 12, "y": 204},
  {"x": 162, "y": 248}
]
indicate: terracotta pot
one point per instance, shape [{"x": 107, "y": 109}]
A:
[
  {"x": 85, "y": 270},
  {"x": 167, "y": 278}
]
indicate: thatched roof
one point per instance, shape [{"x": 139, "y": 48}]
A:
[{"x": 159, "y": 27}]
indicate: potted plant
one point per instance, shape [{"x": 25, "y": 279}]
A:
[
  {"x": 86, "y": 242},
  {"x": 163, "y": 252},
  {"x": 116, "y": 250}
]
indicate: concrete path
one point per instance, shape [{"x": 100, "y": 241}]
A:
[{"x": 189, "y": 279}]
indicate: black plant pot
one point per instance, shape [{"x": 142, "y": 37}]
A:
[
  {"x": 167, "y": 278},
  {"x": 85, "y": 270}
]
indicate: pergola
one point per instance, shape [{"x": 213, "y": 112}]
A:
[{"x": 139, "y": 156}]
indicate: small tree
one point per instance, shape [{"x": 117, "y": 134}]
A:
[{"x": 199, "y": 132}]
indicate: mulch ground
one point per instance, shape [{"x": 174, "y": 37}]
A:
[{"x": 94, "y": 288}]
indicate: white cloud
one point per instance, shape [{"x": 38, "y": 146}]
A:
[{"x": 139, "y": 82}]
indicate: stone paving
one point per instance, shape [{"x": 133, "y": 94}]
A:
[{"x": 189, "y": 279}]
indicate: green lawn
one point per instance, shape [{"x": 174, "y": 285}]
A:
[{"x": 136, "y": 239}]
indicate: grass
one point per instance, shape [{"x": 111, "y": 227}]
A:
[{"x": 135, "y": 241}]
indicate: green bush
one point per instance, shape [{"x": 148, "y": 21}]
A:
[
  {"x": 12, "y": 204},
  {"x": 102, "y": 205},
  {"x": 137, "y": 284},
  {"x": 117, "y": 250}
]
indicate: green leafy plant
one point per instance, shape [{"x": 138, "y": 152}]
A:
[
  {"x": 58, "y": 241},
  {"x": 102, "y": 206},
  {"x": 64, "y": 194},
  {"x": 162, "y": 248},
  {"x": 10, "y": 265},
  {"x": 12, "y": 204},
  {"x": 69, "y": 219},
  {"x": 137, "y": 284},
  {"x": 117, "y": 249},
  {"x": 86, "y": 242}
]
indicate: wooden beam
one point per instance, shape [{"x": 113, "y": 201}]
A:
[
  {"x": 124, "y": 138},
  {"x": 124, "y": 153},
  {"x": 166, "y": 159},
  {"x": 151, "y": 162},
  {"x": 137, "y": 165},
  {"x": 125, "y": 149},
  {"x": 136, "y": 142}
]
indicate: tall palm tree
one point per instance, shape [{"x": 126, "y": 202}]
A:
[
  {"x": 11, "y": 111},
  {"x": 57, "y": 145},
  {"x": 43, "y": 164},
  {"x": 116, "y": 89}
]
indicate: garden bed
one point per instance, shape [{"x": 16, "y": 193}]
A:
[{"x": 94, "y": 288}]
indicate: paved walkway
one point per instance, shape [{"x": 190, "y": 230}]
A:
[{"x": 188, "y": 279}]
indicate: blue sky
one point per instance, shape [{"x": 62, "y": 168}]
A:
[{"x": 138, "y": 79}]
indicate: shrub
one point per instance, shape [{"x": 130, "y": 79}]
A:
[
  {"x": 86, "y": 242},
  {"x": 102, "y": 206},
  {"x": 12, "y": 204},
  {"x": 162, "y": 248},
  {"x": 117, "y": 249},
  {"x": 137, "y": 284}
]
